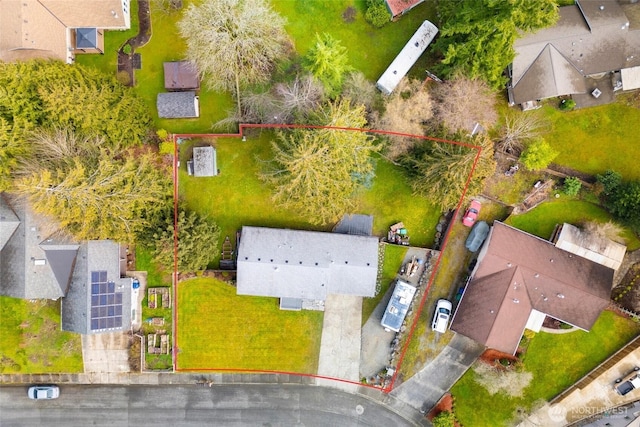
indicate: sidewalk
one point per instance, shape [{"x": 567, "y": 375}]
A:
[{"x": 154, "y": 378}]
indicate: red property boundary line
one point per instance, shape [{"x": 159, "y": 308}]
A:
[{"x": 240, "y": 134}]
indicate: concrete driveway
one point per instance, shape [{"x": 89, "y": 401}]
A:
[
  {"x": 341, "y": 335},
  {"x": 423, "y": 390}
]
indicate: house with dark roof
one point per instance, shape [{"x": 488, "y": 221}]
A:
[
  {"x": 58, "y": 29},
  {"x": 39, "y": 261},
  {"x": 400, "y": 7},
  {"x": 520, "y": 279},
  {"x": 591, "y": 52},
  {"x": 178, "y": 105},
  {"x": 298, "y": 266},
  {"x": 181, "y": 75}
]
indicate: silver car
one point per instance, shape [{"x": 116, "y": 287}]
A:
[{"x": 43, "y": 392}]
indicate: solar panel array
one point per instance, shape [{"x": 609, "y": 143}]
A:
[{"x": 106, "y": 303}]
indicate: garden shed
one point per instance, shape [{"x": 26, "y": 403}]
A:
[
  {"x": 178, "y": 105},
  {"x": 181, "y": 75},
  {"x": 204, "y": 161}
]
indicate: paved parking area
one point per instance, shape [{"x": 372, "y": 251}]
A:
[
  {"x": 106, "y": 353},
  {"x": 424, "y": 390}
]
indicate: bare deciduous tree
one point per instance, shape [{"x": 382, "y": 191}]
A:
[
  {"x": 407, "y": 111},
  {"x": 360, "y": 90},
  {"x": 519, "y": 128},
  {"x": 286, "y": 103},
  {"x": 302, "y": 96},
  {"x": 463, "y": 102},
  {"x": 234, "y": 43}
]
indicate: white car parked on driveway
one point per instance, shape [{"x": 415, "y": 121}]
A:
[{"x": 442, "y": 315}]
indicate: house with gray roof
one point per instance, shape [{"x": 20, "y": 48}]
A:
[
  {"x": 594, "y": 45},
  {"x": 99, "y": 299},
  {"x": 39, "y": 261},
  {"x": 298, "y": 266},
  {"x": 36, "y": 259},
  {"x": 520, "y": 279},
  {"x": 178, "y": 105}
]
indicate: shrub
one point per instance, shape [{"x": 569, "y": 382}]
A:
[
  {"x": 123, "y": 78},
  {"x": 567, "y": 104},
  {"x": 538, "y": 155},
  {"x": 377, "y": 13},
  {"x": 444, "y": 419},
  {"x": 571, "y": 186}
]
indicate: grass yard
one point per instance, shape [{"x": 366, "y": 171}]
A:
[
  {"x": 167, "y": 45},
  {"x": 237, "y": 197},
  {"x": 542, "y": 220},
  {"x": 595, "y": 139},
  {"x": 31, "y": 340},
  {"x": 393, "y": 257},
  {"x": 370, "y": 49},
  {"x": 218, "y": 329},
  {"x": 556, "y": 362}
]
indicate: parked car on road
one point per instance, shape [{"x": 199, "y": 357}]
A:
[
  {"x": 441, "y": 316},
  {"x": 43, "y": 392},
  {"x": 472, "y": 213}
]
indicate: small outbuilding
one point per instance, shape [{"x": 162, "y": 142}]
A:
[
  {"x": 180, "y": 76},
  {"x": 205, "y": 161},
  {"x": 178, "y": 105}
]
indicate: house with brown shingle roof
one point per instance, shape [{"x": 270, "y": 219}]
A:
[
  {"x": 58, "y": 29},
  {"x": 519, "y": 280}
]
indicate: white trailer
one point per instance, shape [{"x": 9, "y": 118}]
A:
[{"x": 407, "y": 57}]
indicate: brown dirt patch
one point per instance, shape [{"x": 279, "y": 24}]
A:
[{"x": 627, "y": 293}]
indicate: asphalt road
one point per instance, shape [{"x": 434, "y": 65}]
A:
[{"x": 176, "y": 406}]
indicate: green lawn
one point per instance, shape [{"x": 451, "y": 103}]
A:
[
  {"x": 595, "y": 139},
  {"x": 167, "y": 45},
  {"x": 542, "y": 220},
  {"x": 237, "y": 197},
  {"x": 393, "y": 257},
  {"x": 370, "y": 49},
  {"x": 226, "y": 331},
  {"x": 556, "y": 362},
  {"x": 31, "y": 339}
]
